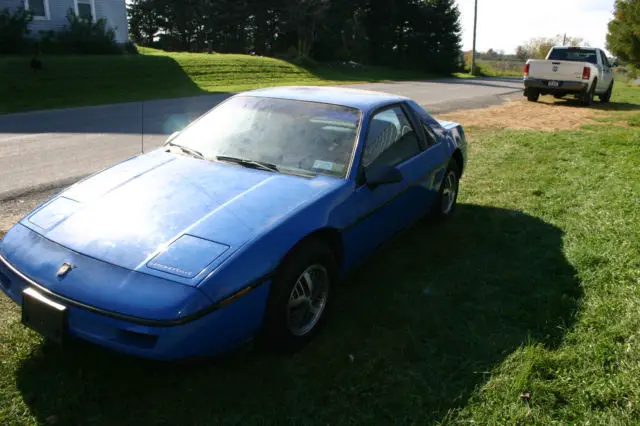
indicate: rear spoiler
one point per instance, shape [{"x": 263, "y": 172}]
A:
[
  {"x": 448, "y": 124},
  {"x": 455, "y": 130}
]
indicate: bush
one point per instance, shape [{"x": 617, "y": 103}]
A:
[
  {"x": 14, "y": 31},
  {"x": 49, "y": 43},
  {"x": 304, "y": 62},
  {"x": 130, "y": 48},
  {"x": 81, "y": 36},
  {"x": 169, "y": 43}
]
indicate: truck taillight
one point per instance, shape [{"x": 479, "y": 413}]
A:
[
  {"x": 586, "y": 73},
  {"x": 526, "y": 70}
]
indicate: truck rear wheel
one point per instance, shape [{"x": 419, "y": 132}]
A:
[
  {"x": 586, "y": 98},
  {"x": 533, "y": 95},
  {"x": 606, "y": 96}
]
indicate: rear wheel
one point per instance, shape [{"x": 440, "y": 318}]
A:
[
  {"x": 533, "y": 95},
  {"x": 587, "y": 97},
  {"x": 448, "y": 195},
  {"x": 299, "y": 296},
  {"x": 606, "y": 96}
]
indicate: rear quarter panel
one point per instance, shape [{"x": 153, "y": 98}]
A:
[{"x": 451, "y": 134}]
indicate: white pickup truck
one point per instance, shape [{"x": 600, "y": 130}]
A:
[{"x": 580, "y": 71}]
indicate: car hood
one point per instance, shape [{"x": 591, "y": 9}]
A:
[{"x": 171, "y": 216}]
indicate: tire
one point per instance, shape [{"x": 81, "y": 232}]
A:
[
  {"x": 533, "y": 95},
  {"x": 281, "y": 329},
  {"x": 606, "y": 96},
  {"x": 446, "y": 203},
  {"x": 586, "y": 98}
]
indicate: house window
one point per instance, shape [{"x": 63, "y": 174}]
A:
[
  {"x": 85, "y": 9},
  {"x": 39, "y": 8}
]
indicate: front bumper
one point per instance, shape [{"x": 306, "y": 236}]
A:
[
  {"x": 215, "y": 330},
  {"x": 563, "y": 86}
]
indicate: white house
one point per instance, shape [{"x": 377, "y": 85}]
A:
[{"x": 52, "y": 14}]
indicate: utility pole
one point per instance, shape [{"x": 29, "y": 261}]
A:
[
  {"x": 564, "y": 39},
  {"x": 473, "y": 52}
]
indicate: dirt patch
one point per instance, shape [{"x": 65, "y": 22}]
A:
[{"x": 546, "y": 115}]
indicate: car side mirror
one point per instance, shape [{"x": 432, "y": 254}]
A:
[
  {"x": 172, "y": 137},
  {"x": 382, "y": 175}
]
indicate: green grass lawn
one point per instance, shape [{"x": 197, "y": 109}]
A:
[
  {"x": 533, "y": 286},
  {"x": 501, "y": 68},
  {"x": 91, "y": 80},
  {"x": 494, "y": 68}
]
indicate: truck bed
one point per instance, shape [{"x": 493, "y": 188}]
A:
[{"x": 556, "y": 70}]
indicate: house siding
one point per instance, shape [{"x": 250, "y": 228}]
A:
[{"x": 114, "y": 11}]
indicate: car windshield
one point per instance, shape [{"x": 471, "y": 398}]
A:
[
  {"x": 575, "y": 55},
  {"x": 294, "y": 136}
]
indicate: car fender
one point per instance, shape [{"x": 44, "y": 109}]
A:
[{"x": 256, "y": 262}]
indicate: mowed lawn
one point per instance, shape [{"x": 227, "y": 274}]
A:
[
  {"x": 532, "y": 289},
  {"x": 67, "y": 81}
]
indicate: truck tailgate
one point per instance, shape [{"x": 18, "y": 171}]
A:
[{"x": 556, "y": 70}]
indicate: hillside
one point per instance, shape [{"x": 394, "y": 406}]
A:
[{"x": 67, "y": 81}]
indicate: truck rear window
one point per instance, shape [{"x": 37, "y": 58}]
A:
[{"x": 576, "y": 55}]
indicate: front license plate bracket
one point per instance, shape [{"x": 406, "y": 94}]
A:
[{"x": 44, "y": 316}]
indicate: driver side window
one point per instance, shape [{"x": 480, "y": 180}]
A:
[{"x": 391, "y": 139}]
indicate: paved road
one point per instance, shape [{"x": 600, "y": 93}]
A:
[{"x": 45, "y": 149}]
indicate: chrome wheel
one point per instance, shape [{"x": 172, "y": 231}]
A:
[
  {"x": 307, "y": 300},
  {"x": 449, "y": 192}
]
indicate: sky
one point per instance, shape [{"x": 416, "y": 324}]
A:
[{"x": 504, "y": 24}]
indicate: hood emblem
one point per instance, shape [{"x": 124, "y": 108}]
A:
[{"x": 64, "y": 270}]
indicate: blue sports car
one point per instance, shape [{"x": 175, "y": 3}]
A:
[{"x": 238, "y": 227}]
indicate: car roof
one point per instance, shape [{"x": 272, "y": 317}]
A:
[{"x": 354, "y": 98}]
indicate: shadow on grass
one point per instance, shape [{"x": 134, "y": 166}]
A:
[
  {"x": 609, "y": 106},
  {"x": 66, "y": 81},
  {"x": 75, "y": 81},
  {"x": 412, "y": 334}
]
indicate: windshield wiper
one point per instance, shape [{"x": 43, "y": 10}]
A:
[
  {"x": 187, "y": 150},
  {"x": 262, "y": 165}
]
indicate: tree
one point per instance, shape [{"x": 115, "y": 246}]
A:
[
  {"x": 144, "y": 21},
  {"x": 623, "y": 39},
  {"x": 523, "y": 53},
  {"x": 537, "y": 48},
  {"x": 421, "y": 34}
]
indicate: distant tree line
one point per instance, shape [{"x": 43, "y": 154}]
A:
[
  {"x": 538, "y": 48},
  {"x": 491, "y": 55},
  {"x": 421, "y": 34}
]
